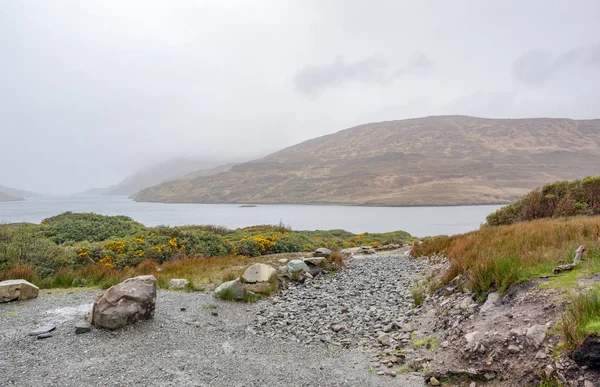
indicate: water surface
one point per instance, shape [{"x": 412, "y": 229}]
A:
[{"x": 419, "y": 221}]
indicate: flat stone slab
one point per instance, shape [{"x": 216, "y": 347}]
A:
[
  {"x": 259, "y": 272},
  {"x": 43, "y": 329},
  {"x": 20, "y": 289},
  {"x": 83, "y": 327}
]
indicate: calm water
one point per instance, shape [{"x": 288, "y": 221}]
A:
[{"x": 419, "y": 221}]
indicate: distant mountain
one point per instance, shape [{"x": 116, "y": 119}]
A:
[
  {"x": 442, "y": 160},
  {"x": 19, "y": 193},
  {"x": 9, "y": 198},
  {"x": 169, "y": 170}
]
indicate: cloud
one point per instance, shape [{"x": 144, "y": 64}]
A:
[
  {"x": 536, "y": 67},
  {"x": 313, "y": 79}
]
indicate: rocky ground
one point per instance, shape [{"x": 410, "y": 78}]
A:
[
  {"x": 217, "y": 343},
  {"x": 358, "y": 326}
]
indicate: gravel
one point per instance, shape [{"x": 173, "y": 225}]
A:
[{"x": 214, "y": 342}]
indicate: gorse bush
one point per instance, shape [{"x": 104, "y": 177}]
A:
[
  {"x": 563, "y": 198},
  {"x": 68, "y": 247}
]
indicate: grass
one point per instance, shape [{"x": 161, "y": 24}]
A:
[
  {"x": 403, "y": 370},
  {"x": 430, "y": 342},
  {"x": 581, "y": 317},
  {"x": 496, "y": 256},
  {"x": 418, "y": 295}
]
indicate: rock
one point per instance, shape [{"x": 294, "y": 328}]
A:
[
  {"x": 384, "y": 339},
  {"x": 282, "y": 260},
  {"x": 233, "y": 290},
  {"x": 44, "y": 336},
  {"x": 536, "y": 334},
  {"x": 316, "y": 261},
  {"x": 259, "y": 272},
  {"x": 43, "y": 329},
  {"x": 367, "y": 250},
  {"x": 470, "y": 337},
  {"x": 549, "y": 371},
  {"x": 588, "y": 354},
  {"x": 433, "y": 381},
  {"x": 216, "y": 314},
  {"x": 297, "y": 265},
  {"x": 83, "y": 327},
  {"x": 388, "y": 328},
  {"x": 514, "y": 349},
  {"x": 587, "y": 383},
  {"x": 178, "y": 283},
  {"x": 541, "y": 354},
  {"x": 464, "y": 304},
  {"x": 489, "y": 303},
  {"x": 322, "y": 252},
  {"x": 125, "y": 303},
  {"x": 20, "y": 289}
]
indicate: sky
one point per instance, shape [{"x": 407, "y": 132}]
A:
[{"x": 91, "y": 91}]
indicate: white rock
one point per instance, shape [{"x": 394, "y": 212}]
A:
[
  {"x": 296, "y": 265},
  {"x": 20, "y": 289},
  {"x": 513, "y": 349},
  {"x": 471, "y": 337},
  {"x": 235, "y": 287},
  {"x": 259, "y": 272},
  {"x": 489, "y": 303},
  {"x": 178, "y": 283},
  {"x": 536, "y": 334}
]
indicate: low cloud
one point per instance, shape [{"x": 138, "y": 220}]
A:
[
  {"x": 313, "y": 79},
  {"x": 537, "y": 67}
]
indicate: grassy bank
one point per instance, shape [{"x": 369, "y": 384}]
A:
[
  {"x": 495, "y": 257},
  {"x": 94, "y": 250}
]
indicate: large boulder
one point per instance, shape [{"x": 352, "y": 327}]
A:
[
  {"x": 230, "y": 290},
  {"x": 316, "y": 261},
  {"x": 322, "y": 252},
  {"x": 297, "y": 265},
  {"x": 17, "y": 290},
  {"x": 259, "y": 272},
  {"x": 125, "y": 303}
]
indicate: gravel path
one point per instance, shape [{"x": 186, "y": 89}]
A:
[{"x": 195, "y": 348}]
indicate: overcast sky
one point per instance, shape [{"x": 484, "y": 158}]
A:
[{"x": 90, "y": 91}]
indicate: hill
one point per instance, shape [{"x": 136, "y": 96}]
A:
[
  {"x": 18, "y": 193},
  {"x": 441, "y": 160},
  {"x": 147, "y": 177},
  {"x": 9, "y": 198}
]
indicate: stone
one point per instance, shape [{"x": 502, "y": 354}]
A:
[
  {"x": 83, "y": 327},
  {"x": 465, "y": 303},
  {"x": 433, "y": 381},
  {"x": 297, "y": 265},
  {"x": 384, "y": 339},
  {"x": 587, "y": 383},
  {"x": 259, "y": 272},
  {"x": 536, "y": 334},
  {"x": 233, "y": 289},
  {"x": 549, "y": 371},
  {"x": 125, "y": 303},
  {"x": 316, "y": 261},
  {"x": 44, "y": 336},
  {"x": 489, "y": 303},
  {"x": 178, "y": 283},
  {"x": 588, "y": 353},
  {"x": 322, "y": 252},
  {"x": 541, "y": 354},
  {"x": 470, "y": 337},
  {"x": 514, "y": 349},
  {"x": 20, "y": 289},
  {"x": 43, "y": 329}
]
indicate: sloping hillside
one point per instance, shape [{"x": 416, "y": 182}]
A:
[
  {"x": 424, "y": 161},
  {"x": 9, "y": 198},
  {"x": 169, "y": 170},
  {"x": 18, "y": 193}
]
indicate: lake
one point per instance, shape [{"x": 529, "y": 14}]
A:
[{"x": 419, "y": 221}]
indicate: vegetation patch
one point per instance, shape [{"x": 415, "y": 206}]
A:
[
  {"x": 495, "y": 257},
  {"x": 563, "y": 198},
  {"x": 581, "y": 317}
]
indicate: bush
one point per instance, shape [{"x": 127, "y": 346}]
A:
[
  {"x": 71, "y": 227},
  {"x": 563, "y": 198}
]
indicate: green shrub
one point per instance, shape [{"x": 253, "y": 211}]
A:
[
  {"x": 562, "y": 198},
  {"x": 581, "y": 317}
]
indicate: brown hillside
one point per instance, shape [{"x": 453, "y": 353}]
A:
[{"x": 424, "y": 161}]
